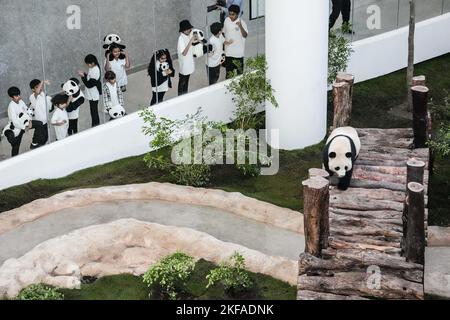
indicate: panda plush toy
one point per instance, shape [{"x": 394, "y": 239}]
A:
[
  {"x": 116, "y": 112},
  {"x": 199, "y": 47},
  {"x": 111, "y": 39},
  {"x": 23, "y": 117},
  {"x": 340, "y": 153},
  {"x": 164, "y": 66},
  {"x": 72, "y": 89}
]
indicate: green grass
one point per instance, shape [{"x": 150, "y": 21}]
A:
[
  {"x": 128, "y": 287},
  {"x": 372, "y": 100}
]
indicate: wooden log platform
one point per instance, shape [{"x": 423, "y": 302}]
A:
[{"x": 363, "y": 259}]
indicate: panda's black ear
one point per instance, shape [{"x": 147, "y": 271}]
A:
[
  {"x": 104, "y": 39},
  {"x": 105, "y": 46},
  {"x": 62, "y": 86},
  {"x": 349, "y": 155},
  {"x": 332, "y": 155}
]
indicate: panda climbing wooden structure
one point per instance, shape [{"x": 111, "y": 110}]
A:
[
  {"x": 341, "y": 151},
  {"x": 199, "y": 46}
]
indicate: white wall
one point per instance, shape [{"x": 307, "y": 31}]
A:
[
  {"x": 115, "y": 140},
  {"x": 123, "y": 138},
  {"x": 388, "y": 52}
]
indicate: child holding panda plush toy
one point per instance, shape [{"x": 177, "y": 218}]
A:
[
  {"x": 19, "y": 120},
  {"x": 113, "y": 97},
  {"x": 216, "y": 55},
  {"x": 117, "y": 60},
  {"x": 160, "y": 71}
]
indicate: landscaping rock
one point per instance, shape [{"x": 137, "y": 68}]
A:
[
  {"x": 437, "y": 272},
  {"x": 124, "y": 247}
]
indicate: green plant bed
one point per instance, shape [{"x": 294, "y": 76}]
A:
[{"x": 128, "y": 287}]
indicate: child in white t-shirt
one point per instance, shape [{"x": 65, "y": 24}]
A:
[
  {"x": 60, "y": 118},
  {"x": 113, "y": 97},
  {"x": 185, "y": 56},
  {"x": 40, "y": 103},
  {"x": 119, "y": 66},
  {"x": 216, "y": 56}
]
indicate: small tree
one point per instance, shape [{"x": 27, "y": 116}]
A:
[
  {"x": 169, "y": 275},
  {"x": 339, "y": 52},
  {"x": 231, "y": 274}
]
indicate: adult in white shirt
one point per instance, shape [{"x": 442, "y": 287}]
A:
[
  {"x": 185, "y": 56},
  {"x": 236, "y": 32},
  {"x": 93, "y": 83},
  {"x": 17, "y": 114},
  {"x": 39, "y": 103}
]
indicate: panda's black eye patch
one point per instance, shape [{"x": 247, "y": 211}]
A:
[
  {"x": 348, "y": 155},
  {"x": 73, "y": 83},
  {"x": 332, "y": 155},
  {"x": 337, "y": 168}
]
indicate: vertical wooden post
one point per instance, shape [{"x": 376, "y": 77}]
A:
[
  {"x": 420, "y": 115},
  {"x": 415, "y": 231},
  {"x": 316, "y": 195},
  {"x": 416, "y": 170},
  {"x": 350, "y": 79},
  {"x": 341, "y": 102}
]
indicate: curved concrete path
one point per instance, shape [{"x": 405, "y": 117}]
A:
[{"x": 219, "y": 223}]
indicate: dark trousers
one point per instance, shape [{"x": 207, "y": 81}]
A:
[
  {"x": 213, "y": 74},
  {"x": 232, "y": 64},
  {"x": 183, "y": 84},
  {"x": 340, "y": 6},
  {"x": 40, "y": 136},
  {"x": 94, "y": 113},
  {"x": 14, "y": 141},
  {"x": 73, "y": 127},
  {"x": 157, "y": 97}
]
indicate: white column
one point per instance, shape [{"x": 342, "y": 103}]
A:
[{"x": 297, "y": 57}]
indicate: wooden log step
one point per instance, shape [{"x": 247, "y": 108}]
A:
[
  {"x": 385, "y": 247},
  {"x": 381, "y": 214},
  {"x": 372, "y": 257},
  {"x": 337, "y": 219},
  {"x": 390, "y": 232},
  {"x": 344, "y": 201},
  {"x": 375, "y": 132},
  {"x": 381, "y": 163},
  {"x": 312, "y": 266},
  {"x": 311, "y": 295},
  {"x": 386, "y": 170},
  {"x": 414, "y": 153},
  {"x": 375, "y": 240},
  {"x": 391, "y": 156},
  {"x": 393, "y": 142},
  {"x": 360, "y": 284},
  {"x": 355, "y": 222},
  {"x": 374, "y": 194}
]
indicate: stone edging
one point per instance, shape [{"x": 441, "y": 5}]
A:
[
  {"x": 232, "y": 202},
  {"x": 438, "y": 237},
  {"x": 125, "y": 246}
]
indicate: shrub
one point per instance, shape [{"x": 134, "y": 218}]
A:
[
  {"x": 40, "y": 292},
  {"x": 441, "y": 137},
  {"x": 339, "y": 52},
  {"x": 231, "y": 274},
  {"x": 170, "y": 274}
]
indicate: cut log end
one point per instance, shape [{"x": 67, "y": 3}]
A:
[
  {"x": 316, "y": 183},
  {"x": 318, "y": 173},
  {"x": 416, "y": 163},
  {"x": 339, "y": 85},
  {"x": 346, "y": 77},
  {"x": 421, "y": 89},
  {"x": 416, "y": 187}
]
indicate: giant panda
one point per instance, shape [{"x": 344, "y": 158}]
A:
[
  {"x": 199, "y": 46},
  {"x": 340, "y": 153},
  {"x": 72, "y": 89},
  {"x": 111, "y": 39},
  {"x": 116, "y": 112}
]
